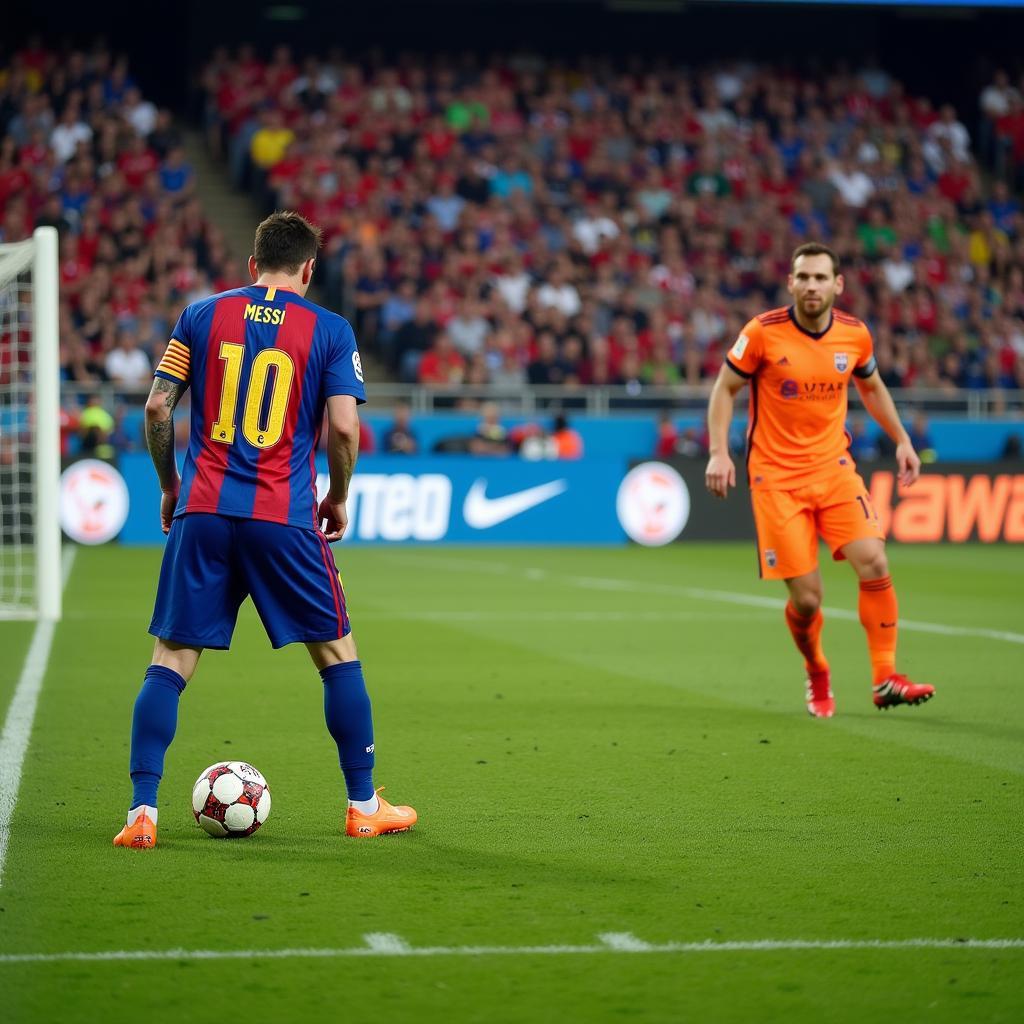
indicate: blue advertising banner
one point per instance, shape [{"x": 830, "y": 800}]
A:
[
  {"x": 447, "y": 499},
  {"x": 471, "y": 500}
]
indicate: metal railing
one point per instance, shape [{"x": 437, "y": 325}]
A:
[{"x": 597, "y": 401}]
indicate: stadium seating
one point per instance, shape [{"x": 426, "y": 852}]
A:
[
  {"x": 529, "y": 224},
  {"x": 575, "y": 223},
  {"x": 84, "y": 151}
]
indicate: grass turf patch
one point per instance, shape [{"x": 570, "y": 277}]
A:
[{"x": 591, "y": 748}]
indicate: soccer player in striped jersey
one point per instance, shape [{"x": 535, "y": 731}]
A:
[
  {"x": 263, "y": 363},
  {"x": 799, "y": 361}
]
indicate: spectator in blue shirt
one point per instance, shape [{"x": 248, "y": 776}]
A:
[
  {"x": 1004, "y": 208},
  {"x": 921, "y": 438},
  {"x": 398, "y": 308},
  {"x": 509, "y": 179},
  {"x": 445, "y": 206},
  {"x": 863, "y": 447},
  {"x": 117, "y": 83},
  {"x": 176, "y": 173},
  {"x": 790, "y": 146},
  {"x": 806, "y": 221}
]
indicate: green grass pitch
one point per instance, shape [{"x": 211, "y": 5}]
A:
[{"x": 594, "y": 746}]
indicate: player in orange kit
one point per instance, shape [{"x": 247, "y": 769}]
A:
[{"x": 799, "y": 361}]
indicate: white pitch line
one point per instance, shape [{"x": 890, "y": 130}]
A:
[
  {"x": 22, "y": 712},
  {"x": 757, "y": 601},
  {"x": 702, "y": 594},
  {"x": 388, "y": 945},
  {"x": 624, "y": 942}
]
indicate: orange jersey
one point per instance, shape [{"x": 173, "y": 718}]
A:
[{"x": 798, "y": 398}]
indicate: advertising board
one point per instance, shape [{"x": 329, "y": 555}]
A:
[
  {"x": 952, "y": 502},
  {"x": 466, "y": 500},
  {"x": 444, "y": 499}
]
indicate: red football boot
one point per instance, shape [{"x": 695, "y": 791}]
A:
[
  {"x": 898, "y": 689},
  {"x": 820, "y": 701}
]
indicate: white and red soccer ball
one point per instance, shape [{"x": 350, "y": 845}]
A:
[{"x": 231, "y": 799}]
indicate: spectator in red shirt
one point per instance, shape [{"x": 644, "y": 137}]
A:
[
  {"x": 137, "y": 162},
  {"x": 442, "y": 366}
]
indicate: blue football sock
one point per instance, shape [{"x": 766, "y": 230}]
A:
[
  {"x": 153, "y": 725},
  {"x": 350, "y": 721}
]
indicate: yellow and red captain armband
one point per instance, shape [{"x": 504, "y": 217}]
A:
[{"x": 176, "y": 360}]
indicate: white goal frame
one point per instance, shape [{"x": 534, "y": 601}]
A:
[{"x": 40, "y": 254}]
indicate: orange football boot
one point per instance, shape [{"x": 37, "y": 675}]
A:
[
  {"x": 387, "y": 818},
  {"x": 140, "y": 834}
]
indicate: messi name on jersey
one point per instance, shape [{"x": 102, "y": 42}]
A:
[{"x": 264, "y": 314}]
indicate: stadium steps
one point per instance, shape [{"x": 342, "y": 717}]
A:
[{"x": 237, "y": 214}]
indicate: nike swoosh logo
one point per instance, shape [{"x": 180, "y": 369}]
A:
[{"x": 481, "y": 512}]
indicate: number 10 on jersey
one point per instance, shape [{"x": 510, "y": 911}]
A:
[{"x": 258, "y": 435}]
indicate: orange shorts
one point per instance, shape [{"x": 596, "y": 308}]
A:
[{"x": 788, "y": 523}]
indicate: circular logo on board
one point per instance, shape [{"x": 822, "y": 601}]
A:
[
  {"x": 93, "y": 502},
  {"x": 653, "y": 504}
]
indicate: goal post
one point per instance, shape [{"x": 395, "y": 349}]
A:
[
  {"x": 45, "y": 316},
  {"x": 30, "y": 540}
]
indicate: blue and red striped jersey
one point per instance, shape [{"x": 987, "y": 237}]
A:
[{"x": 261, "y": 363}]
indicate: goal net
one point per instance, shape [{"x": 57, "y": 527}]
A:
[{"x": 30, "y": 584}]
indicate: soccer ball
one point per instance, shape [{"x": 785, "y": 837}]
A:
[{"x": 231, "y": 799}]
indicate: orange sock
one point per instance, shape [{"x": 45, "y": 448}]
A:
[
  {"x": 806, "y": 632},
  {"x": 879, "y": 614}
]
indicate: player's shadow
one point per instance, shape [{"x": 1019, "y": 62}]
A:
[
  {"x": 405, "y": 854},
  {"x": 933, "y": 723},
  {"x": 931, "y": 716},
  {"x": 403, "y": 858}
]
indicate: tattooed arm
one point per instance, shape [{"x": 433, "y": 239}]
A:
[{"x": 160, "y": 440}]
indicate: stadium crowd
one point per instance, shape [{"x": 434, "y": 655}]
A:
[
  {"x": 82, "y": 150},
  {"x": 516, "y": 222},
  {"x": 513, "y": 222}
]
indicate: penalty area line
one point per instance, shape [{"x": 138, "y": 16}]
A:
[
  {"x": 21, "y": 714},
  {"x": 385, "y": 944}
]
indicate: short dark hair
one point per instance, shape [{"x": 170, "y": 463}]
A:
[
  {"x": 815, "y": 249},
  {"x": 284, "y": 241}
]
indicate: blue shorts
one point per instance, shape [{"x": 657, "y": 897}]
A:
[{"x": 212, "y": 563}]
